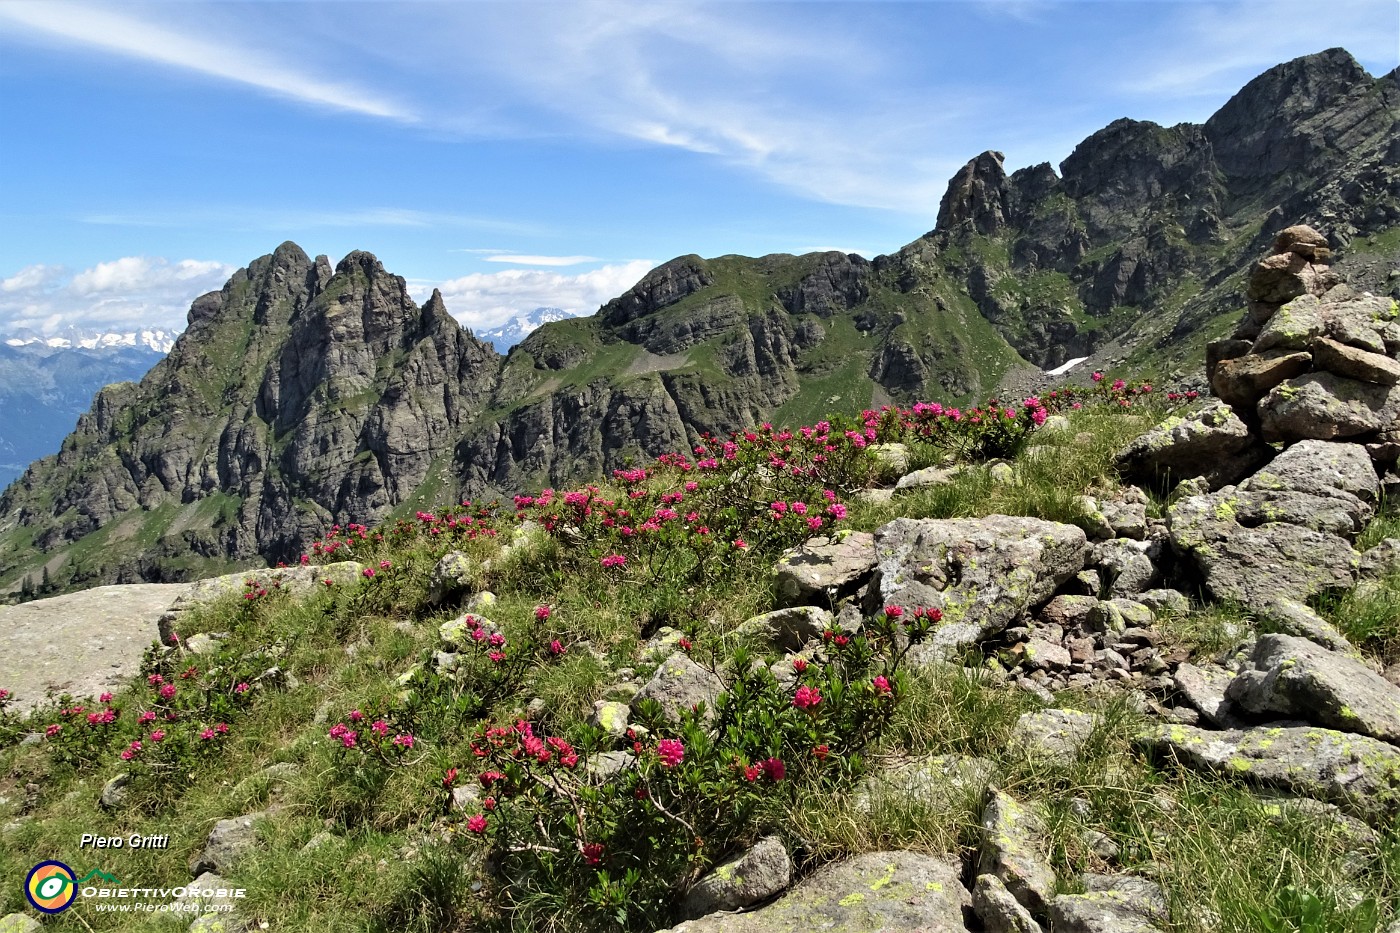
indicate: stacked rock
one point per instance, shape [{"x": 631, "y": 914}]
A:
[{"x": 1311, "y": 359}]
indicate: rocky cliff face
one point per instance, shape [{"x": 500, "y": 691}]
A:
[
  {"x": 297, "y": 393},
  {"x": 302, "y": 395},
  {"x": 1133, "y": 241}
]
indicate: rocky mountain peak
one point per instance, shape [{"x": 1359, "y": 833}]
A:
[
  {"x": 665, "y": 285},
  {"x": 1293, "y": 115},
  {"x": 978, "y": 198}
]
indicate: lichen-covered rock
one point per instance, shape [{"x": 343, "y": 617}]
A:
[
  {"x": 1357, "y": 321},
  {"x": 454, "y": 574},
  {"x": 938, "y": 783},
  {"x": 1164, "y": 601},
  {"x": 1355, "y": 363},
  {"x": 1205, "y": 688},
  {"x": 1242, "y": 381},
  {"x": 680, "y": 684},
  {"x": 610, "y": 716},
  {"x": 1271, "y": 561},
  {"x": 1291, "y": 617},
  {"x": 982, "y": 573},
  {"x": 1125, "y": 565},
  {"x": 998, "y": 910},
  {"x": 873, "y": 891},
  {"x": 1381, "y": 561},
  {"x": 228, "y": 843},
  {"x": 928, "y": 476},
  {"x": 823, "y": 570},
  {"x": 1012, "y": 835},
  {"x": 1341, "y": 472},
  {"x": 1213, "y": 443},
  {"x": 1053, "y": 734},
  {"x": 753, "y": 877},
  {"x": 1110, "y": 904},
  {"x": 1294, "y": 678},
  {"x": 18, "y": 923},
  {"x": 1358, "y": 773},
  {"x": 457, "y": 633},
  {"x": 789, "y": 628},
  {"x": 1326, "y": 406}
]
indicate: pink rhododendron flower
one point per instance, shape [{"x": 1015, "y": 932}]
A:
[
  {"x": 806, "y": 698},
  {"x": 774, "y": 769},
  {"x": 477, "y": 824},
  {"x": 670, "y": 751},
  {"x": 882, "y": 685},
  {"x": 542, "y": 612}
]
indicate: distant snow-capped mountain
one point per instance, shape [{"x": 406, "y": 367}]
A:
[
  {"x": 159, "y": 341},
  {"x": 47, "y": 381},
  {"x": 518, "y": 328}
]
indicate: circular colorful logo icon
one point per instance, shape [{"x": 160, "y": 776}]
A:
[{"x": 51, "y": 887}]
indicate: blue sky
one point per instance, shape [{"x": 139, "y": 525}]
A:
[{"x": 520, "y": 154}]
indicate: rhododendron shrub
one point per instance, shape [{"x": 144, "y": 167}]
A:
[
  {"x": 624, "y": 848},
  {"x": 162, "y": 732}
]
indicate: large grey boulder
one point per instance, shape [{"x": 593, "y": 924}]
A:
[
  {"x": 1325, "y": 406},
  {"x": 873, "y": 891},
  {"x": 983, "y": 573},
  {"x": 823, "y": 570},
  {"x": 753, "y": 877},
  {"x": 1359, "y": 774},
  {"x": 1335, "y": 471},
  {"x": 1213, "y": 443},
  {"x": 1355, "y": 363},
  {"x": 680, "y": 684},
  {"x": 1012, "y": 836},
  {"x": 1357, "y": 321},
  {"x": 1294, "y": 678},
  {"x": 1256, "y": 565},
  {"x": 229, "y": 842}
]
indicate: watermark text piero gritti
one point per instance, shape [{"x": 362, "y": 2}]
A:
[{"x": 134, "y": 841}]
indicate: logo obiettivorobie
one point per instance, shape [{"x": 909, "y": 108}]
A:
[{"x": 51, "y": 887}]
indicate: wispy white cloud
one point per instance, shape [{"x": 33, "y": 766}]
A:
[
  {"x": 1213, "y": 49},
  {"x": 132, "y": 291},
  {"x": 487, "y": 299},
  {"x": 540, "y": 260},
  {"x": 116, "y": 31}
]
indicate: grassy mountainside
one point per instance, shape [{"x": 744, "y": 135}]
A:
[{"x": 362, "y": 834}]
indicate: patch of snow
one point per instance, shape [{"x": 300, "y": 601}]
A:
[{"x": 1066, "y": 366}]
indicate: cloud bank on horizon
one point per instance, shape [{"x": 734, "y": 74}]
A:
[{"x": 452, "y": 139}]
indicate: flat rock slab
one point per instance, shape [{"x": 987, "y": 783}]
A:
[
  {"x": 874, "y": 891},
  {"x": 82, "y": 643},
  {"x": 1357, "y": 773},
  {"x": 822, "y": 570}
]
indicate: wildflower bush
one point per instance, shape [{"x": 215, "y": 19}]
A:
[{"x": 617, "y": 853}]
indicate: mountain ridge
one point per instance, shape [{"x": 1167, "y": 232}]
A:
[{"x": 300, "y": 394}]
